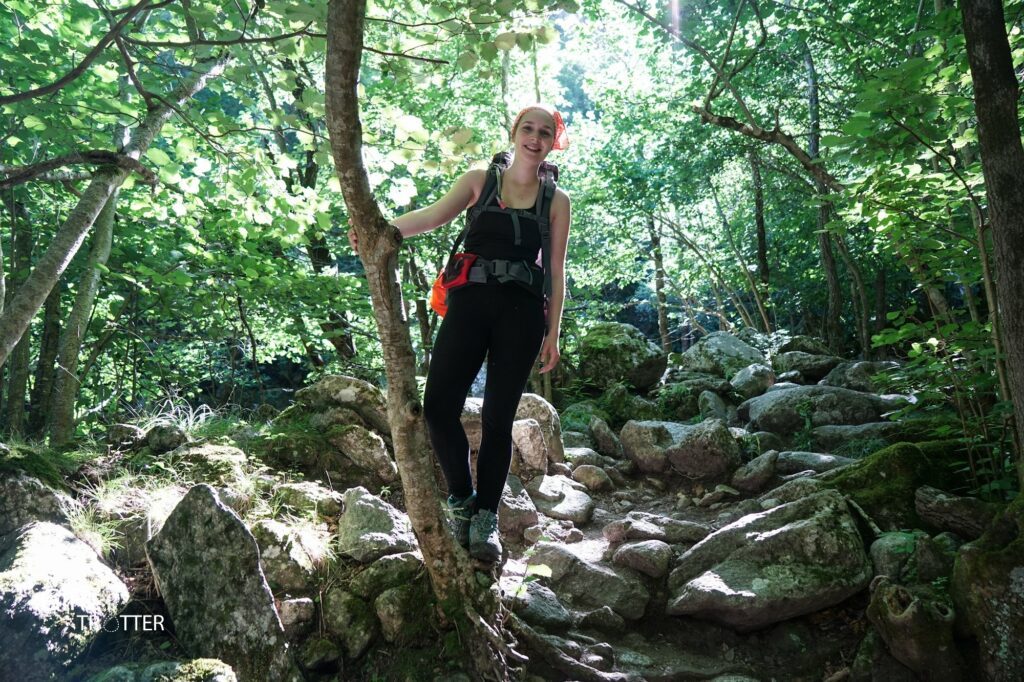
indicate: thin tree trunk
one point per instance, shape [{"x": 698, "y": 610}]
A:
[
  {"x": 763, "y": 271},
  {"x": 996, "y": 94},
  {"x": 449, "y": 567},
  {"x": 881, "y": 302},
  {"x": 727, "y": 228},
  {"x": 833, "y": 329},
  {"x": 18, "y": 367},
  {"x": 66, "y": 382},
  {"x": 39, "y": 402},
  {"x": 860, "y": 296},
  {"x": 65, "y": 244},
  {"x": 659, "y": 284}
]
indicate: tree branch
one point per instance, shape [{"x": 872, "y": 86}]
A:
[
  {"x": 16, "y": 175},
  {"x": 240, "y": 40},
  {"x": 86, "y": 61},
  {"x": 774, "y": 136}
]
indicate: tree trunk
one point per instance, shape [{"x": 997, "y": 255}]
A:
[
  {"x": 39, "y": 402},
  {"x": 754, "y": 291},
  {"x": 860, "y": 297},
  {"x": 881, "y": 304},
  {"x": 66, "y": 382},
  {"x": 18, "y": 368},
  {"x": 996, "y": 94},
  {"x": 762, "y": 234},
  {"x": 659, "y": 285},
  {"x": 451, "y": 573},
  {"x": 65, "y": 244},
  {"x": 833, "y": 329}
]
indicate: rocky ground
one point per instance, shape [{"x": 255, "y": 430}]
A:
[{"x": 748, "y": 513}]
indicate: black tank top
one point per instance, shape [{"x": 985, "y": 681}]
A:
[{"x": 493, "y": 236}]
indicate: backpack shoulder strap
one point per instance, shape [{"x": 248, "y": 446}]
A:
[
  {"x": 547, "y": 195},
  {"x": 492, "y": 182}
]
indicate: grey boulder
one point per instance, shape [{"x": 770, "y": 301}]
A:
[
  {"x": 764, "y": 568},
  {"x": 787, "y": 411},
  {"x": 371, "y": 528}
]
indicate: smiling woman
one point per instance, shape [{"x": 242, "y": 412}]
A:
[{"x": 505, "y": 307}]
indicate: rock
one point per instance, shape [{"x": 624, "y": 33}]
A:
[
  {"x": 753, "y": 476},
  {"x": 575, "y": 457},
  {"x": 528, "y": 439},
  {"x": 781, "y": 385},
  {"x": 206, "y": 565},
  {"x": 786, "y": 411},
  {"x": 604, "y": 619},
  {"x": 613, "y": 352},
  {"x": 890, "y": 553},
  {"x": 593, "y": 477},
  {"x": 561, "y": 498},
  {"x": 988, "y": 590},
  {"x": 319, "y": 655},
  {"x": 371, "y": 528},
  {"x": 165, "y": 437},
  {"x": 720, "y": 353},
  {"x": 538, "y": 605},
  {"x": 873, "y": 662},
  {"x": 650, "y": 557},
  {"x": 196, "y": 670},
  {"x": 679, "y": 400},
  {"x": 711, "y": 406},
  {"x": 764, "y": 568},
  {"x": 533, "y": 406},
  {"x": 404, "y": 613},
  {"x": 516, "y": 511},
  {"x": 766, "y": 441},
  {"x": 387, "y": 572},
  {"x": 805, "y": 344},
  {"x": 218, "y": 465},
  {"x": 753, "y": 380},
  {"x": 366, "y": 449},
  {"x": 306, "y": 497},
  {"x": 351, "y": 394},
  {"x": 591, "y": 584},
  {"x": 793, "y": 461},
  {"x": 706, "y": 452},
  {"x": 717, "y": 495},
  {"x": 968, "y": 517},
  {"x": 55, "y": 597},
  {"x": 576, "y": 439},
  {"x": 866, "y": 438},
  {"x": 576, "y": 417},
  {"x": 917, "y": 629},
  {"x": 811, "y": 367},
  {"x": 605, "y": 440},
  {"x": 857, "y": 376},
  {"x": 645, "y": 443},
  {"x": 289, "y": 554},
  {"x": 645, "y": 526},
  {"x": 125, "y": 436},
  {"x": 295, "y": 613},
  {"x": 24, "y": 499},
  {"x": 351, "y": 619},
  {"x": 791, "y": 378},
  {"x": 883, "y": 483},
  {"x": 621, "y": 405}
]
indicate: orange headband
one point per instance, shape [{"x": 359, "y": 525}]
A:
[{"x": 561, "y": 137}]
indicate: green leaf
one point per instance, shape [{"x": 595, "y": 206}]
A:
[
  {"x": 505, "y": 41},
  {"x": 33, "y": 123},
  {"x": 158, "y": 156},
  {"x": 467, "y": 60}
]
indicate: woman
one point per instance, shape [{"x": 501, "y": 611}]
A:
[{"x": 499, "y": 320}]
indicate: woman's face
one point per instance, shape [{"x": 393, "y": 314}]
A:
[{"x": 534, "y": 135}]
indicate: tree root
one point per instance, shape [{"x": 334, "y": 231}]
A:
[{"x": 562, "y": 662}]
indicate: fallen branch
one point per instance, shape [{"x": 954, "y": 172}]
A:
[{"x": 561, "y": 661}]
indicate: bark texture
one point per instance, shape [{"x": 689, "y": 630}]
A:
[
  {"x": 72, "y": 233},
  {"x": 449, "y": 568},
  {"x": 18, "y": 367},
  {"x": 659, "y": 285},
  {"x": 996, "y": 94},
  {"x": 66, "y": 381},
  {"x": 39, "y": 402}
]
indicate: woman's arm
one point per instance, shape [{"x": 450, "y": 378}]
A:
[
  {"x": 561, "y": 217},
  {"x": 461, "y": 196}
]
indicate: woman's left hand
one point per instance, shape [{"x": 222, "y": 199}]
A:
[{"x": 549, "y": 355}]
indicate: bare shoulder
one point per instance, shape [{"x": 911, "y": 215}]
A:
[
  {"x": 560, "y": 204},
  {"x": 561, "y": 197},
  {"x": 474, "y": 180}
]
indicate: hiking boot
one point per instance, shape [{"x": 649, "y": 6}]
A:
[
  {"x": 459, "y": 513},
  {"x": 484, "y": 540}
]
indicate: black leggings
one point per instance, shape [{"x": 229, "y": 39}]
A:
[{"x": 505, "y": 323}]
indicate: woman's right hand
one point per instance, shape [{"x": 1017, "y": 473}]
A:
[{"x": 353, "y": 240}]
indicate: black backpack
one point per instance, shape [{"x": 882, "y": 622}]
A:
[{"x": 548, "y": 173}]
